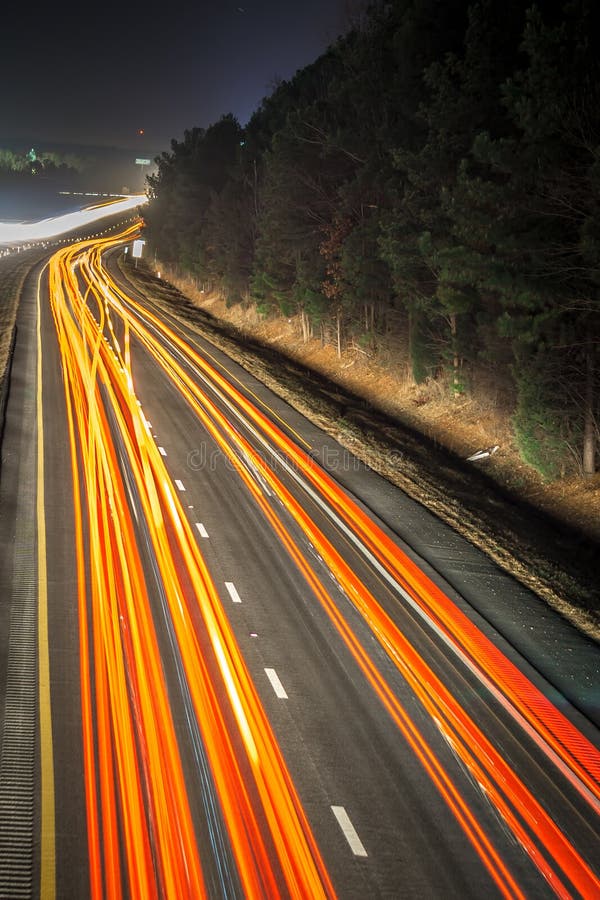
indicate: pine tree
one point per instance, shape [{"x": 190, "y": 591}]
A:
[{"x": 525, "y": 210}]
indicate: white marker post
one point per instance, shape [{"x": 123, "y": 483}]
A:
[{"x": 137, "y": 250}]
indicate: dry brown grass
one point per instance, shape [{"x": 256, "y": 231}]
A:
[{"x": 462, "y": 425}]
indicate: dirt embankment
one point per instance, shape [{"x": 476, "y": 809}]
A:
[{"x": 547, "y": 535}]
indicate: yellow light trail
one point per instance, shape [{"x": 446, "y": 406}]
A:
[
  {"x": 138, "y": 813},
  {"x": 114, "y": 772}
]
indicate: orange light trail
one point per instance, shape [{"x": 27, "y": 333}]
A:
[
  {"x": 579, "y": 755},
  {"x": 138, "y": 814},
  {"x": 529, "y": 822},
  {"x": 116, "y": 589}
]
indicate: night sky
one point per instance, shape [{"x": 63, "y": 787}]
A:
[{"x": 97, "y": 74}]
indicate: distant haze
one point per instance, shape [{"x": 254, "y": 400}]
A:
[{"x": 104, "y": 169}]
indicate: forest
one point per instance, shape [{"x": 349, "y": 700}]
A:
[{"x": 428, "y": 187}]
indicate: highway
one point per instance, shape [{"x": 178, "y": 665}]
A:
[
  {"x": 247, "y": 687},
  {"x": 17, "y": 234}
]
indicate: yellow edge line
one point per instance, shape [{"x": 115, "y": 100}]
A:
[{"x": 47, "y": 839}]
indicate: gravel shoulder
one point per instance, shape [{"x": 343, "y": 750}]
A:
[{"x": 13, "y": 271}]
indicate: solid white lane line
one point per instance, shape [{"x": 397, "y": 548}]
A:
[
  {"x": 233, "y": 591},
  {"x": 201, "y": 529},
  {"x": 276, "y": 684},
  {"x": 179, "y": 484},
  {"x": 349, "y": 831},
  {"x": 162, "y": 451}
]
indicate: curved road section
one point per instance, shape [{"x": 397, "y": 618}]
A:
[{"x": 224, "y": 676}]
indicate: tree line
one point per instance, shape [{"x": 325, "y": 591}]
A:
[
  {"x": 16, "y": 165},
  {"x": 429, "y": 185}
]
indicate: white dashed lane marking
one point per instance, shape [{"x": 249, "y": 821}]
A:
[
  {"x": 233, "y": 592},
  {"x": 179, "y": 484},
  {"x": 276, "y": 683},
  {"x": 162, "y": 451},
  {"x": 201, "y": 529},
  {"x": 349, "y": 831}
]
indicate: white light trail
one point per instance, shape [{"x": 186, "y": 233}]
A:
[{"x": 22, "y": 232}]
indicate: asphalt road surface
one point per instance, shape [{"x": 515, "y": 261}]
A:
[{"x": 223, "y": 673}]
